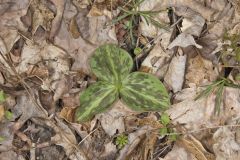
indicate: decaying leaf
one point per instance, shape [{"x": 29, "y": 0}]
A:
[
  {"x": 225, "y": 146},
  {"x": 157, "y": 59},
  {"x": 42, "y": 15},
  {"x": 179, "y": 153},
  {"x": 133, "y": 141},
  {"x": 200, "y": 71},
  {"x": 79, "y": 49},
  {"x": 184, "y": 40},
  {"x": 6, "y": 132},
  {"x": 65, "y": 138},
  {"x": 174, "y": 77},
  {"x": 60, "y": 5},
  {"x": 193, "y": 146},
  {"x": 112, "y": 121}
]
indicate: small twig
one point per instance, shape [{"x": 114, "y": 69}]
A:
[{"x": 87, "y": 136}]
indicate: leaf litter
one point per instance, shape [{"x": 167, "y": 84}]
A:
[{"x": 45, "y": 47}]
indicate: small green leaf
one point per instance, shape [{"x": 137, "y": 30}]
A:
[
  {"x": 165, "y": 119},
  {"x": 163, "y": 131},
  {"x": 8, "y": 115},
  {"x": 137, "y": 51},
  {"x": 95, "y": 99},
  {"x": 172, "y": 137},
  {"x": 2, "y": 96},
  {"x": 111, "y": 63},
  {"x": 1, "y": 139},
  {"x": 144, "y": 92}
]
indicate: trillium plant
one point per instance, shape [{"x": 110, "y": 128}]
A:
[{"x": 139, "y": 91}]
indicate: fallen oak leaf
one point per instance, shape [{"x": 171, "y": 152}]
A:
[{"x": 56, "y": 23}]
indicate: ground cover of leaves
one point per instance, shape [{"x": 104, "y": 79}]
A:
[{"x": 192, "y": 46}]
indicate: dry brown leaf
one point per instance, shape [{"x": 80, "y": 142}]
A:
[
  {"x": 179, "y": 153},
  {"x": 66, "y": 139},
  {"x": 63, "y": 86},
  {"x": 56, "y": 62},
  {"x": 56, "y": 23},
  {"x": 6, "y": 132},
  {"x": 8, "y": 38},
  {"x": 25, "y": 108},
  {"x": 183, "y": 40},
  {"x": 192, "y": 23},
  {"x": 10, "y": 155},
  {"x": 193, "y": 146},
  {"x": 157, "y": 59},
  {"x": 149, "y": 144},
  {"x": 110, "y": 151},
  {"x": 225, "y": 146},
  {"x": 11, "y": 16},
  {"x": 193, "y": 114},
  {"x": 133, "y": 140},
  {"x": 200, "y": 71},
  {"x": 174, "y": 77},
  {"x": 79, "y": 49},
  {"x": 207, "y": 12},
  {"x": 73, "y": 28},
  {"x": 113, "y": 120},
  {"x": 68, "y": 114},
  {"x": 81, "y": 4},
  {"x": 99, "y": 33},
  {"x": 42, "y": 15}
]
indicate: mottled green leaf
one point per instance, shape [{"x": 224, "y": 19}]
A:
[
  {"x": 144, "y": 92},
  {"x": 96, "y": 99},
  {"x": 111, "y": 63}
]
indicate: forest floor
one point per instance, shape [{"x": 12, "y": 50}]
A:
[{"x": 184, "y": 103}]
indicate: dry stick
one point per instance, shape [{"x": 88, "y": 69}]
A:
[
  {"x": 87, "y": 136},
  {"x": 28, "y": 89}
]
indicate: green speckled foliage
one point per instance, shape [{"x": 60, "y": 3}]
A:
[{"x": 139, "y": 91}]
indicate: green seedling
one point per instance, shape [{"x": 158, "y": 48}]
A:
[
  {"x": 2, "y": 96},
  {"x": 139, "y": 91},
  {"x": 217, "y": 87},
  {"x": 8, "y": 115},
  {"x": 137, "y": 51},
  {"x": 166, "y": 130},
  {"x": 121, "y": 141}
]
